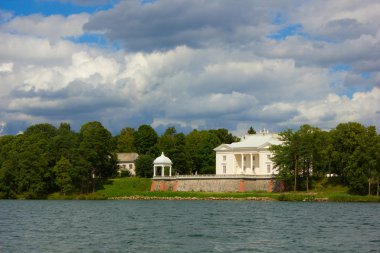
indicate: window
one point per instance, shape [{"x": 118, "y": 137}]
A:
[
  {"x": 130, "y": 166},
  {"x": 253, "y": 158},
  {"x": 224, "y": 158},
  {"x": 268, "y": 168},
  {"x": 224, "y": 169}
]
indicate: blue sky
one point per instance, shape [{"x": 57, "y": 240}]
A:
[
  {"x": 29, "y": 7},
  {"x": 272, "y": 65}
]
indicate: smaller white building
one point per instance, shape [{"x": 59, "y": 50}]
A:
[
  {"x": 126, "y": 162},
  {"x": 250, "y": 156},
  {"x": 162, "y": 162}
]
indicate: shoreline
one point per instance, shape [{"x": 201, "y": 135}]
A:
[{"x": 138, "y": 197}]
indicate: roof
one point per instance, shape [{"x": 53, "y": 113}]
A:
[
  {"x": 127, "y": 157},
  {"x": 162, "y": 160},
  {"x": 255, "y": 141}
]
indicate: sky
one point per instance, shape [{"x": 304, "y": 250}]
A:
[{"x": 192, "y": 64}]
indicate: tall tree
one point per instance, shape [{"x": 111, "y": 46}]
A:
[
  {"x": 224, "y": 136},
  {"x": 174, "y": 146},
  {"x": 63, "y": 175},
  {"x": 45, "y": 130},
  {"x": 251, "y": 131},
  {"x": 125, "y": 141},
  {"x": 200, "y": 147},
  {"x": 96, "y": 147},
  {"x": 144, "y": 165},
  {"x": 286, "y": 156},
  {"x": 310, "y": 147},
  {"x": 145, "y": 139},
  {"x": 346, "y": 138}
]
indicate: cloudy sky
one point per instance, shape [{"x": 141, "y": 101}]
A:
[{"x": 189, "y": 63}]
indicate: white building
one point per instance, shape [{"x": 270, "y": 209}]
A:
[
  {"x": 162, "y": 162},
  {"x": 126, "y": 162},
  {"x": 250, "y": 156}
]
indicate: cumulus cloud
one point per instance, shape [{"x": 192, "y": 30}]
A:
[
  {"x": 194, "y": 64},
  {"x": 339, "y": 20},
  {"x": 162, "y": 25},
  {"x": 53, "y": 27}
]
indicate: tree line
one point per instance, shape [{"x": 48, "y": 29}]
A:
[
  {"x": 47, "y": 159},
  {"x": 348, "y": 154}
]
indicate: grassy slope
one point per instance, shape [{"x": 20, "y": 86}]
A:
[{"x": 126, "y": 187}]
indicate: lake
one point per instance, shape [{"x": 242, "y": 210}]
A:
[{"x": 188, "y": 226}]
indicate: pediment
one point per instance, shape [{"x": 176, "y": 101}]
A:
[
  {"x": 223, "y": 147},
  {"x": 266, "y": 145}
]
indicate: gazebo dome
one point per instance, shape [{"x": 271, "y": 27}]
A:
[{"x": 162, "y": 160}]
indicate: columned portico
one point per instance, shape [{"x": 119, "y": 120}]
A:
[
  {"x": 245, "y": 162},
  {"x": 250, "y": 156}
]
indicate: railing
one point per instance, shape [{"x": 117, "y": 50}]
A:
[{"x": 213, "y": 176}]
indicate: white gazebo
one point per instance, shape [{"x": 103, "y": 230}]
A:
[{"x": 162, "y": 161}]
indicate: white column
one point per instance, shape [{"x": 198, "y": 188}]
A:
[
  {"x": 251, "y": 161},
  {"x": 170, "y": 171},
  {"x": 162, "y": 171},
  {"x": 242, "y": 163},
  {"x": 154, "y": 170},
  {"x": 233, "y": 164}
]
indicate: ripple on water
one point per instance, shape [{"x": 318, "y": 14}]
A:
[{"x": 187, "y": 226}]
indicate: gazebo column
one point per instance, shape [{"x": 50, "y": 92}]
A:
[
  {"x": 154, "y": 170},
  {"x": 162, "y": 171},
  {"x": 170, "y": 171}
]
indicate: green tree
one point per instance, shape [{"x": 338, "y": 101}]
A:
[
  {"x": 346, "y": 137},
  {"x": 224, "y": 136},
  {"x": 96, "y": 147},
  {"x": 125, "y": 140},
  {"x": 65, "y": 143},
  {"x": 173, "y": 144},
  {"x": 45, "y": 130},
  {"x": 63, "y": 175},
  {"x": 286, "y": 156},
  {"x": 8, "y": 183},
  {"x": 363, "y": 162},
  {"x": 144, "y": 166},
  {"x": 145, "y": 139},
  {"x": 251, "y": 131},
  {"x": 200, "y": 148}
]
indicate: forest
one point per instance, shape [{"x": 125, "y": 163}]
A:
[
  {"x": 349, "y": 154},
  {"x": 46, "y": 159}
]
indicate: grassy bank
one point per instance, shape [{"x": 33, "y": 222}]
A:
[{"x": 139, "y": 188}]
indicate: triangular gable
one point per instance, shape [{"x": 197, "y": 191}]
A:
[
  {"x": 265, "y": 145},
  {"x": 222, "y": 147}
]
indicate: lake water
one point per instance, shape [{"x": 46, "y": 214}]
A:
[{"x": 188, "y": 226}]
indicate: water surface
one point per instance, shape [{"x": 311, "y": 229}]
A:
[{"x": 188, "y": 226}]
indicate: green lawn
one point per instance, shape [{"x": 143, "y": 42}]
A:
[{"x": 126, "y": 186}]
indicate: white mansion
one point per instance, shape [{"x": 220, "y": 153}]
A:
[{"x": 250, "y": 156}]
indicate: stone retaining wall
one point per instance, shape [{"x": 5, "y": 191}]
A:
[{"x": 215, "y": 185}]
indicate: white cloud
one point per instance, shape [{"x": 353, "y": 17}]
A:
[
  {"x": 2, "y": 126},
  {"x": 52, "y": 27},
  {"x": 339, "y": 20},
  {"x": 6, "y": 67},
  {"x": 245, "y": 79}
]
